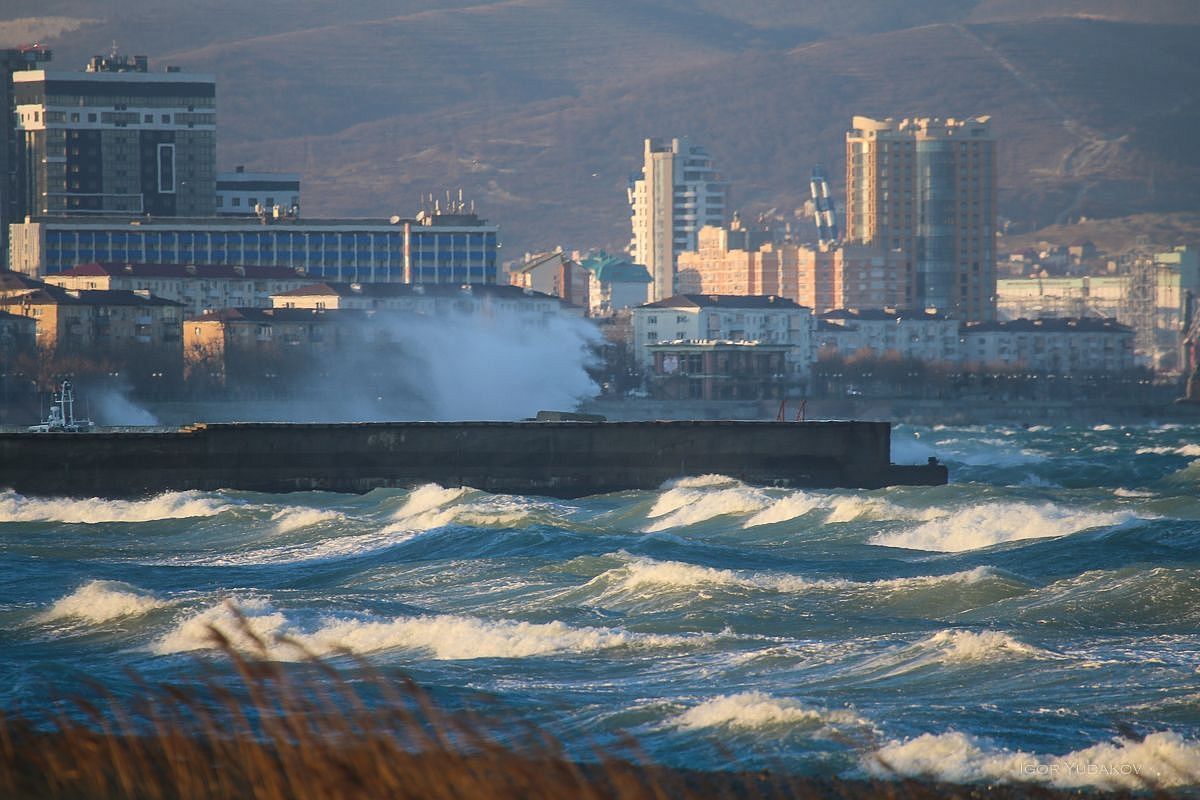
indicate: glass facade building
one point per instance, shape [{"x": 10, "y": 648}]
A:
[{"x": 342, "y": 250}]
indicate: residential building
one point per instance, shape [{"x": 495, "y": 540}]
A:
[
  {"x": 614, "y": 283},
  {"x": 1050, "y": 346},
  {"x": 686, "y": 318},
  {"x": 261, "y": 343},
  {"x": 730, "y": 261},
  {"x": 718, "y": 370},
  {"x": 431, "y": 299},
  {"x": 553, "y": 273},
  {"x": 18, "y": 336},
  {"x": 825, "y": 276},
  {"x": 921, "y": 335},
  {"x": 12, "y": 142},
  {"x": 116, "y": 140},
  {"x": 927, "y": 187},
  {"x": 429, "y": 249},
  {"x": 110, "y": 322},
  {"x": 249, "y": 194},
  {"x": 198, "y": 287},
  {"x": 677, "y": 193}
]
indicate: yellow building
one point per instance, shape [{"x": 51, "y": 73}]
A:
[
  {"x": 108, "y": 322},
  {"x": 927, "y": 187}
]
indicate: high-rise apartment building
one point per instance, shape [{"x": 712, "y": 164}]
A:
[
  {"x": 115, "y": 140},
  {"x": 12, "y": 60},
  {"x": 677, "y": 194},
  {"x": 928, "y": 187}
]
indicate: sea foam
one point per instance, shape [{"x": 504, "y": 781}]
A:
[
  {"x": 686, "y": 505},
  {"x": 254, "y": 626},
  {"x": 171, "y": 505},
  {"x": 750, "y": 710},
  {"x": 102, "y": 601},
  {"x": 432, "y": 506},
  {"x": 1163, "y": 760},
  {"x": 995, "y": 523},
  {"x": 293, "y": 519}
]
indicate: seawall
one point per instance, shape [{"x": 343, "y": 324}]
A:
[{"x": 564, "y": 459}]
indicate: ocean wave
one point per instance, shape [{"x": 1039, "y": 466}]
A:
[
  {"x": 170, "y": 505},
  {"x": 838, "y": 508},
  {"x": 688, "y": 505},
  {"x": 989, "y": 524},
  {"x": 1189, "y": 450},
  {"x": 253, "y": 626},
  {"x": 752, "y": 710},
  {"x": 1123, "y": 492},
  {"x": 673, "y": 583},
  {"x": 964, "y": 647},
  {"x": 102, "y": 601},
  {"x": 432, "y": 506},
  {"x": 1163, "y": 760},
  {"x": 293, "y": 519}
]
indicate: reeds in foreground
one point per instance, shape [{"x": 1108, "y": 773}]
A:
[{"x": 309, "y": 733}]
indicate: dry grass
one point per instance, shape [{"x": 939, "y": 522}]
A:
[{"x": 308, "y": 733}]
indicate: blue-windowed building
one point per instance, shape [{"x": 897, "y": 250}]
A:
[{"x": 457, "y": 248}]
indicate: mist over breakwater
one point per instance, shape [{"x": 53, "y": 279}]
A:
[{"x": 1036, "y": 620}]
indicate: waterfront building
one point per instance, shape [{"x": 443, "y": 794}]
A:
[
  {"x": 249, "y": 194},
  {"x": 1062, "y": 346},
  {"x": 98, "y": 321},
  {"x": 199, "y": 287},
  {"x": 718, "y": 370},
  {"x": 116, "y": 139},
  {"x": 553, "y": 273},
  {"x": 768, "y": 319},
  {"x": 429, "y": 249},
  {"x": 430, "y": 299},
  {"x": 614, "y": 283},
  {"x": 927, "y": 187},
  {"x": 677, "y": 193},
  {"x": 921, "y": 335}
]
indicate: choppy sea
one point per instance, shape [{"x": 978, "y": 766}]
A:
[{"x": 1038, "y": 619}]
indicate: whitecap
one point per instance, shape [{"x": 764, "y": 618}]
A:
[
  {"x": 680, "y": 507},
  {"x": 292, "y": 519},
  {"x": 171, "y": 505},
  {"x": 102, "y": 601},
  {"x": 750, "y": 710},
  {"x": 1189, "y": 450},
  {"x": 1163, "y": 760},
  {"x": 254, "y": 627},
  {"x": 995, "y": 523}
]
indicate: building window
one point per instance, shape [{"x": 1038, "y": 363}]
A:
[
  {"x": 91, "y": 117},
  {"x": 237, "y": 201},
  {"x": 166, "y": 169}
]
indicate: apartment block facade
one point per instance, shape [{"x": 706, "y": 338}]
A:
[{"x": 927, "y": 187}]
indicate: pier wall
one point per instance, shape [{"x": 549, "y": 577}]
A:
[{"x": 553, "y": 458}]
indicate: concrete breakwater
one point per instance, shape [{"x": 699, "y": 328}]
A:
[{"x": 561, "y": 459}]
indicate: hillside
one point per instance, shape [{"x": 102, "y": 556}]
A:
[{"x": 537, "y": 108}]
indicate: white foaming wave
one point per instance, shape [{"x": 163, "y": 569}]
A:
[
  {"x": 1163, "y": 760},
  {"x": 642, "y": 576},
  {"x": 433, "y": 506},
  {"x": 699, "y": 482},
  {"x": 170, "y": 505},
  {"x": 1189, "y": 450},
  {"x": 1123, "y": 492},
  {"x": 293, "y": 519},
  {"x": 681, "y": 506},
  {"x": 841, "y": 508},
  {"x": 102, "y": 601},
  {"x": 963, "y": 647},
  {"x": 748, "y": 710},
  {"x": 260, "y": 628},
  {"x": 995, "y": 523},
  {"x": 1103, "y": 427},
  {"x": 336, "y": 547},
  {"x": 794, "y": 505}
]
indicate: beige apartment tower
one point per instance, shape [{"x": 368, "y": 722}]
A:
[{"x": 927, "y": 187}]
